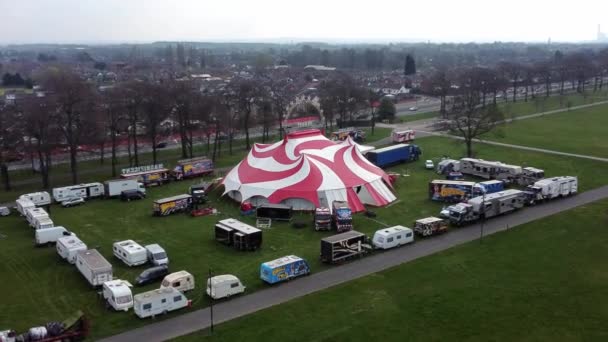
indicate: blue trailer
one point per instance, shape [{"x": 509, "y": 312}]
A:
[
  {"x": 283, "y": 269},
  {"x": 392, "y": 155},
  {"x": 491, "y": 186}
]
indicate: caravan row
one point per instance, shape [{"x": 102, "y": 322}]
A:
[{"x": 491, "y": 170}]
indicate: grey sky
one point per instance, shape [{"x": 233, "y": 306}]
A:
[{"x": 36, "y": 21}]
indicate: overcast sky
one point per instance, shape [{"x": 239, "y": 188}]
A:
[{"x": 89, "y": 21}]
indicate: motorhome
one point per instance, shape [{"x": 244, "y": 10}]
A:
[
  {"x": 130, "y": 252},
  {"x": 237, "y": 234},
  {"x": 550, "y": 188},
  {"x": 35, "y": 213},
  {"x": 94, "y": 267},
  {"x": 23, "y": 204},
  {"x": 50, "y": 235},
  {"x": 159, "y": 301},
  {"x": 86, "y": 191},
  {"x": 40, "y": 198},
  {"x": 181, "y": 280},
  {"x": 118, "y": 295},
  {"x": 224, "y": 286},
  {"x": 392, "y": 237},
  {"x": 157, "y": 255},
  {"x": 44, "y": 222},
  {"x": 68, "y": 246}
]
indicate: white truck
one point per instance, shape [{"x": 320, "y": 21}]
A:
[
  {"x": 157, "y": 255},
  {"x": 130, "y": 252},
  {"x": 68, "y": 246},
  {"x": 550, "y": 188},
  {"x": 50, "y": 235},
  {"x": 89, "y": 190},
  {"x": 94, "y": 267},
  {"x": 40, "y": 198},
  {"x": 115, "y": 187},
  {"x": 23, "y": 204},
  {"x": 224, "y": 286},
  {"x": 44, "y": 222},
  {"x": 159, "y": 301},
  {"x": 117, "y": 294},
  {"x": 392, "y": 237},
  {"x": 35, "y": 213}
]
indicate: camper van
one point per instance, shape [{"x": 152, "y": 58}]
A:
[
  {"x": 159, "y": 301},
  {"x": 157, "y": 255},
  {"x": 182, "y": 281},
  {"x": 392, "y": 237},
  {"x": 35, "y": 213},
  {"x": 39, "y": 198},
  {"x": 118, "y": 295},
  {"x": 43, "y": 223},
  {"x": 86, "y": 191},
  {"x": 130, "y": 252},
  {"x": 224, "y": 286},
  {"x": 23, "y": 204},
  {"x": 94, "y": 267},
  {"x": 68, "y": 246},
  {"x": 50, "y": 235}
]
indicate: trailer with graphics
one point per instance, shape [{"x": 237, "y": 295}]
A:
[
  {"x": 450, "y": 191},
  {"x": 341, "y": 247},
  {"x": 172, "y": 205},
  {"x": 283, "y": 269},
  {"x": 149, "y": 175},
  {"x": 194, "y": 167},
  {"x": 399, "y": 137}
]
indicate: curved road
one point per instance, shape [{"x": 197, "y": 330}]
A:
[{"x": 238, "y": 307}]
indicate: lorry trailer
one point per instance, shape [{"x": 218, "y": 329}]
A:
[
  {"x": 147, "y": 175},
  {"x": 341, "y": 247},
  {"x": 194, "y": 167},
  {"x": 171, "y": 205},
  {"x": 392, "y": 155}
]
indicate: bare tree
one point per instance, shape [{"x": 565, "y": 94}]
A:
[
  {"x": 439, "y": 84},
  {"x": 132, "y": 95},
  {"x": 513, "y": 71},
  {"x": 155, "y": 107},
  {"x": 544, "y": 70},
  {"x": 248, "y": 96},
  {"x": 112, "y": 105},
  {"x": 11, "y": 138}
]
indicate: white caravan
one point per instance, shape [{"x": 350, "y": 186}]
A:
[
  {"x": 23, "y": 204},
  {"x": 69, "y": 246},
  {"x": 39, "y": 198},
  {"x": 130, "y": 252},
  {"x": 89, "y": 190},
  {"x": 94, "y": 267},
  {"x": 118, "y": 295},
  {"x": 157, "y": 255},
  {"x": 50, "y": 235},
  {"x": 116, "y": 186},
  {"x": 159, "y": 301},
  {"x": 43, "y": 223},
  {"x": 392, "y": 237},
  {"x": 35, "y": 213},
  {"x": 224, "y": 286},
  {"x": 181, "y": 280}
]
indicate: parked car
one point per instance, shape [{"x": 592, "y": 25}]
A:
[
  {"x": 151, "y": 274},
  {"x": 429, "y": 165},
  {"x": 72, "y": 202},
  {"x": 413, "y": 109},
  {"x": 162, "y": 144},
  {"x": 132, "y": 195}
]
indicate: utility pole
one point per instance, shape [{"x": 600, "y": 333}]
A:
[
  {"x": 211, "y": 306},
  {"x": 483, "y": 215}
]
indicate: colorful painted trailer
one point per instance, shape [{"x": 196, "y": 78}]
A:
[
  {"x": 171, "y": 205},
  {"x": 283, "y": 269},
  {"x": 147, "y": 175},
  {"x": 193, "y": 167}
]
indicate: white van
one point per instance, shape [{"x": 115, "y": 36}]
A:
[
  {"x": 118, "y": 295},
  {"x": 50, "y": 235},
  {"x": 68, "y": 246},
  {"x": 223, "y": 286},
  {"x": 35, "y": 213},
  {"x": 392, "y": 237},
  {"x": 94, "y": 267},
  {"x": 130, "y": 252},
  {"x": 23, "y": 204},
  {"x": 157, "y": 255},
  {"x": 43, "y": 223},
  {"x": 39, "y": 198},
  {"x": 159, "y": 301},
  {"x": 181, "y": 280}
]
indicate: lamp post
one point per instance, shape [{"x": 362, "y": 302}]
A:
[
  {"x": 483, "y": 215},
  {"x": 211, "y": 306}
]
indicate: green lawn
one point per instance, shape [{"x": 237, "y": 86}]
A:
[{"x": 543, "y": 281}]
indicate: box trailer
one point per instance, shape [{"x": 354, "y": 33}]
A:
[
  {"x": 159, "y": 301},
  {"x": 50, "y": 235},
  {"x": 429, "y": 226},
  {"x": 341, "y": 247},
  {"x": 93, "y": 267},
  {"x": 130, "y": 252},
  {"x": 115, "y": 187},
  {"x": 550, "y": 188},
  {"x": 400, "y": 137},
  {"x": 341, "y": 216},
  {"x": 40, "y": 198},
  {"x": 450, "y": 191},
  {"x": 392, "y": 237},
  {"x": 86, "y": 191},
  {"x": 276, "y": 212},
  {"x": 33, "y": 214},
  {"x": 194, "y": 167},
  {"x": 392, "y": 155},
  {"x": 240, "y": 235},
  {"x": 171, "y": 205},
  {"x": 283, "y": 269},
  {"x": 149, "y": 175},
  {"x": 23, "y": 204},
  {"x": 68, "y": 246},
  {"x": 486, "y": 206},
  {"x": 117, "y": 294}
]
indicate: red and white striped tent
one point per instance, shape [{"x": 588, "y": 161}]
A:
[{"x": 307, "y": 170}]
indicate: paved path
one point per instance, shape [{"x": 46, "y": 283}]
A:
[{"x": 241, "y": 306}]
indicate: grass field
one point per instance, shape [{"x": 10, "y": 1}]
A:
[
  {"x": 50, "y": 289},
  {"x": 543, "y": 281}
]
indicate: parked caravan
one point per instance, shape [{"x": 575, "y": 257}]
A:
[
  {"x": 157, "y": 255},
  {"x": 224, "y": 286},
  {"x": 240, "y": 235},
  {"x": 23, "y": 204},
  {"x": 550, "y": 188},
  {"x": 94, "y": 267},
  {"x": 115, "y": 187},
  {"x": 50, "y": 235},
  {"x": 276, "y": 212},
  {"x": 171, "y": 205},
  {"x": 68, "y": 246},
  {"x": 392, "y": 237},
  {"x": 341, "y": 247},
  {"x": 117, "y": 294},
  {"x": 44, "y": 222},
  {"x": 194, "y": 167},
  {"x": 399, "y": 137},
  {"x": 148, "y": 175},
  {"x": 130, "y": 252},
  {"x": 86, "y": 191},
  {"x": 159, "y": 301},
  {"x": 182, "y": 281},
  {"x": 486, "y": 206},
  {"x": 35, "y": 213},
  {"x": 391, "y": 155},
  {"x": 430, "y": 226},
  {"x": 283, "y": 269},
  {"x": 450, "y": 191},
  {"x": 41, "y": 198}
]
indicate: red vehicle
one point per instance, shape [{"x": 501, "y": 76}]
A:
[{"x": 406, "y": 136}]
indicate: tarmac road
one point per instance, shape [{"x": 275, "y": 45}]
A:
[{"x": 241, "y": 306}]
